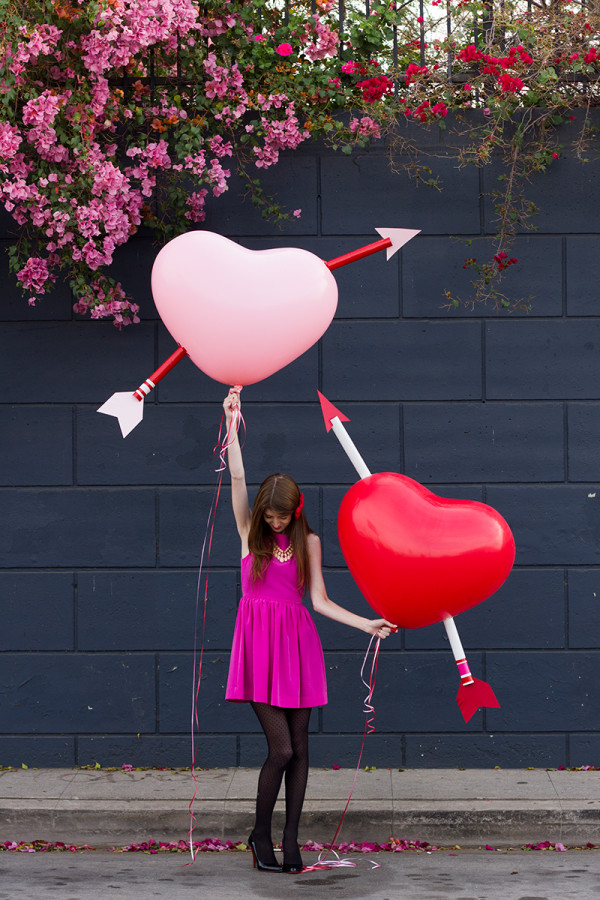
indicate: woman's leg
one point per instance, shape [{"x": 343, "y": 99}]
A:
[
  {"x": 296, "y": 775},
  {"x": 274, "y": 723}
]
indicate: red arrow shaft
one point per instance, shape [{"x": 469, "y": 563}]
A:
[
  {"x": 354, "y": 255},
  {"x": 160, "y": 373}
]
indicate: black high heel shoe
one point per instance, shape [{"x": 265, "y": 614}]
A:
[
  {"x": 293, "y": 868},
  {"x": 261, "y": 866}
]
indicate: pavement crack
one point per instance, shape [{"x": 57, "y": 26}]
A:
[{"x": 562, "y": 811}]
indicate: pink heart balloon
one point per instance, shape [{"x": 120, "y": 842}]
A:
[
  {"x": 419, "y": 558},
  {"x": 241, "y": 314}
]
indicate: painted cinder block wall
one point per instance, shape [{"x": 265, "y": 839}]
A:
[{"x": 101, "y": 537}]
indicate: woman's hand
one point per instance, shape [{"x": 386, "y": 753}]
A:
[
  {"x": 381, "y": 628},
  {"x": 231, "y": 402}
]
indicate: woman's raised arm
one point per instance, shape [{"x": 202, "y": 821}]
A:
[{"x": 239, "y": 491}]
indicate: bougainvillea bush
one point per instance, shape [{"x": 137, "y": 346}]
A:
[{"x": 120, "y": 113}]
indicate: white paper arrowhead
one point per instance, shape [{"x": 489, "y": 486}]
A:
[
  {"x": 398, "y": 236},
  {"x": 126, "y": 408}
]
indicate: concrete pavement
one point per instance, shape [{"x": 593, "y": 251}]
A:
[
  {"x": 472, "y": 807},
  {"x": 445, "y": 875}
]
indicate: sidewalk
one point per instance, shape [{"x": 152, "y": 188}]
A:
[{"x": 473, "y": 807}]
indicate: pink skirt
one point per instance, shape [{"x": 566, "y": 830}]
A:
[{"x": 276, "y": 656}]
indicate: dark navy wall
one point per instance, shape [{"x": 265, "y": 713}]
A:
[{"x": 101, "y": 537}]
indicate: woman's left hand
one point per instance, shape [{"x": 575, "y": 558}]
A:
[{"x": 381, "y": 628}]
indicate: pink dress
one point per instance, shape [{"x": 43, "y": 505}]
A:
[{"x": 276, "y": 656}]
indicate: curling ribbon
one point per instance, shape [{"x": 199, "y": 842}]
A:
[
  {"x": 220, "y": 449},
  {"x": 369, "y": 728}
]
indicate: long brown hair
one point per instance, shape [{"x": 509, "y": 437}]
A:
[{"x": 280, "y": 493}]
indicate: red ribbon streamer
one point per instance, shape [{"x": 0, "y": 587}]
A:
[{"x": 220, "y": 450}]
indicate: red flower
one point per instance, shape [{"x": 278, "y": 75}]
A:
[
  {"x": 510, "y": 83},
  {"x": 414, "y": 69},
  {"x": 373, "y": 89}
]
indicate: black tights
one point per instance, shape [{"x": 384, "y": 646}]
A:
[{"x": 286, "y": 731}]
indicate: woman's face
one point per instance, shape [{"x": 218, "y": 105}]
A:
[{"x": 277, "y": 521}]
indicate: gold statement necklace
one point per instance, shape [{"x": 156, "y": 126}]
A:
[{"x": 282, "y": 555}]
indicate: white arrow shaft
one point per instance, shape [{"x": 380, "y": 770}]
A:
[
  {"x": 457, "y": 650},
  {"x": 350, "y": 447}
]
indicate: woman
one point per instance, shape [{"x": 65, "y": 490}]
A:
[{"x": 276, "y": 659}]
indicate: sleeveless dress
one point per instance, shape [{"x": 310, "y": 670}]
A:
[{"x": 276, "y": 655}]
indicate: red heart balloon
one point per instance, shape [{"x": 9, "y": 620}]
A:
[{"x": 419, "y": 558}]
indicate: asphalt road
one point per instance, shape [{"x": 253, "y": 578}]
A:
[{"x": 442, "y": 875}]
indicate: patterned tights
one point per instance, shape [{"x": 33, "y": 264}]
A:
[{"x": 286, "y": 731}]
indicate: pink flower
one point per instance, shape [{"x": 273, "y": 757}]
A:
[
  {"x": 284, "y": 49},
  {"x": 365, "y": 127},
  {"x": 297, "y": 213},
  {"x": 555, "y": 155}
]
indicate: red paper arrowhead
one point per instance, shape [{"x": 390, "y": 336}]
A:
[
  {"x": 472, "y": 696},
  {"x": 330, "y": 412}
]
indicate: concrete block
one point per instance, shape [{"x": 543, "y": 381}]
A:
[
  {"x": 157, "y": 751},
  {"x": 36, "y": 446},
  {"x": 8, "y": 226},
  {"x": 584, "y": 608},
  {"x": 583, "y": 748},
  {"x": 583, "y": 441},
  {"x": 535, "y": 360},
  {"x": 415, "y": 692},
  {"x": 361, "y": 190},
  {"x": 328, "y": 750},
  {"x": 509, "y": 442},
  {"x": 37, "y": 611},
  {"x": 528, "y": 611},
  {"x": 183, "y": 518},
  {"x": 561, "y": 194},
  {"x": 484, "y": 751},
  {"x": 293, "y": 185},
  {"x": 155, "y": 610},
  {"x": 173, "y": 445},
  {"x": 77, "y": 692},
  {"x": 536, "y": 275},
  {"x": 84, "y": 527},
  {"x": 583, "y": 295},
  {"x": 215, "y": 714},
  {"x": 343, "y": 750},
  {"x": 402, "y": 361},
  {"x": 544, "y": 691},
  {"x": 73, "y": 362},
  {"x": 296, "y": 441},
  {"x": 132, "y": 267},
  {"x": 39, "y": 752},
  {"x": 552, "y": 524}
]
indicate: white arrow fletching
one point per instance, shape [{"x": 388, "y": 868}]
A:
[
  {"x": 398, "y": 236},
  {"x": 126, "y": 408}
]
